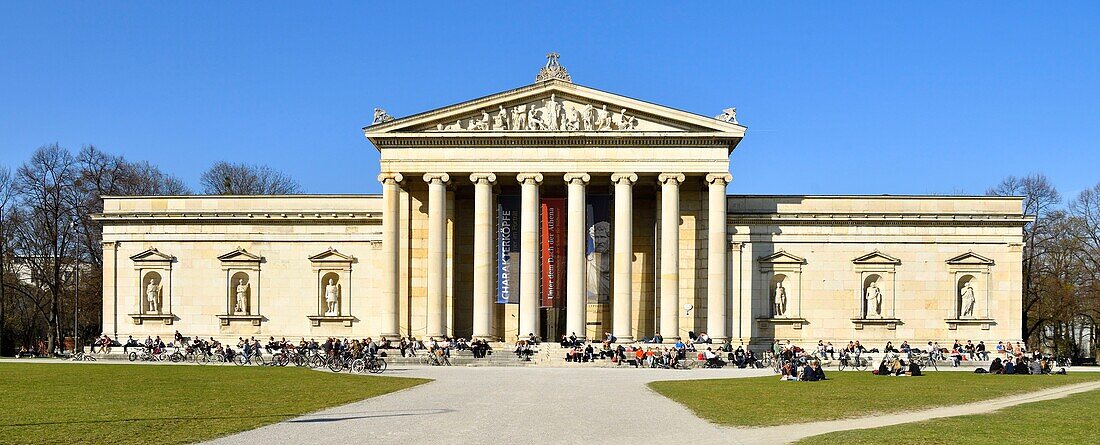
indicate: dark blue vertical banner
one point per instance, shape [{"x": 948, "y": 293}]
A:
[
  {"x": 508, "y": 249},
  {"x": 598, "y": 247}
]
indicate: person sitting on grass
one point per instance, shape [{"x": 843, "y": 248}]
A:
[
  {"x": 1010, "y": 368},
  {"x": 1021, "y": 366},
  {"x": 914, "y": 369},
  {"x": 819, "y": 371},
  {"x": 882, "y": 368},
  {"x": 788, "y": 373},
  {"x": 996, "y": 367}
]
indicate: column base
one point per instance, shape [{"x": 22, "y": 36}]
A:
[
  {"x": 624, "y": 339},
  {"x": 394, "y": 336},
  {"x": 670, "y": 340},
  {"x": 488, "y": 338},
  {"x": 719, "y": 340}
]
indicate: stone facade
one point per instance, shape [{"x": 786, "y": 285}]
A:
[{"x": 420, "y": 259}]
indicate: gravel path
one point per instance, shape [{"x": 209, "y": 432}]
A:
[{"x": 559, "y": 405}]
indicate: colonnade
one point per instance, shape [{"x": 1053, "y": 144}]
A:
[{"x": 484, "y": 253}]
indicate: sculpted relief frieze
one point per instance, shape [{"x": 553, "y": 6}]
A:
[{"x": 551, "y": 114}]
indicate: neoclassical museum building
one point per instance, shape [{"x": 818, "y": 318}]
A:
[{"x": 555, "y": 208}]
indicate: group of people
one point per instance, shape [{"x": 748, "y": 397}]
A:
[
  {"x": 1034, "y": 364},
  {"x": 893, "y": 364},
  {"x": 810, "y": 371}
]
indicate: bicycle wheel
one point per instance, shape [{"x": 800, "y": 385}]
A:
[
  {"x": 240, "y": 361},
  {"x": 358, "y": 366},
  {"x": 840, "y": 365},
  {"x": 133, "y": 356},
  {"x": 861, "y": 364},
  {"x": 336, "y": 364},
  {"x": 379, "y": 366}
]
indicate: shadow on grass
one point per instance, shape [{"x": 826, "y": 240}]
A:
[{"x": 326, "y": 418}]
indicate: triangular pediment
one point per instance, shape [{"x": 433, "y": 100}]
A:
[
  {"x": 240, "y": 255},
  {"x": 151, "y": 254},
  {"x": 781, "y": 257},
  {"x": 331, "y": 256},
  {"x": 556, "y": 107},
  {"x": 970, "y": 259},
  {"x": 876, "y": 257}
]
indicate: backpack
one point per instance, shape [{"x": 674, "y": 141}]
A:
[{"x": 981, "y": 371}]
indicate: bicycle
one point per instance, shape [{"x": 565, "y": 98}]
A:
[
  {"x": 255, "y": 358},
  {"x": 436, "y": 358},
  {"x": 854, "y": 361},
  {"x": 80, "y": 356},
  {"x": 926, "y": 361}
]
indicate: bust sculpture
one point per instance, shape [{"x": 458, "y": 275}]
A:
[
  {"x": 780, "y": 300},
  {"x": 332, "y": 298},
  {"x": 242, "y": 297},
  {"x": 967, "y": 297},
  {"x": 152, "y": 296},
  {"x": 874, "y": 301}
]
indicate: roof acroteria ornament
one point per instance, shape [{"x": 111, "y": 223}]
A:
[{"x": 553, "y": 70}]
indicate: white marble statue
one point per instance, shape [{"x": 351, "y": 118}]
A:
[
  {"x": 780, "y": 300},
  {"x": 624, "y": 121},
  {"x": 967, "y": 296},
  {"x": 152, "y": 296},
  {"x": 728, "y": 115},
  {"x": 874, "y": 301},
  {"x": 589, "y": 117},
  {"x": 242, "y": 297},
  {"x": 604, "y": 121},
  {"x": 381, "y": 116},
  {"x": 332, "y": 298},
  {"x": 572, "y": 119},
  {"x": 500, "y": 121}
]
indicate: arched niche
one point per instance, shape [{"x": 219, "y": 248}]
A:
[
  {"x": 240, "y": 293},
  {"x": 780, "y": 267},
  {"x": 331, "y": 265},
  {"x": 874, "y": 283},
  {"x": 243, "y": 289},
  {"x": 974, "y": 270},
  {"x": 152, "y": 293},
  {"x": 780, "y": 297}
]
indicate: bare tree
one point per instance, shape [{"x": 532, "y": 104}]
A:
[
  {"x": 45, "y": 235},
  {"x": 225, "y": 178},
  {"x": 1041, "y": 198},
  {"x": 5, "y": 200}
]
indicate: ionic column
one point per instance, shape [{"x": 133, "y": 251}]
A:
[
  {"x": 437, "y": 252},
  {"x": 529, "y": 253},
  {"x": 670, "y": 255},
  {"x": 716, "y": 256},
  {"x": 391, "y": 257},
  {"x": 624, "y": 255},
  {"x": 483, "y": 254},
  {"x": 575, "y": 263}
]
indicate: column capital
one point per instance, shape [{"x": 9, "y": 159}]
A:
[
  {"x": 523, "y": 178},
  {"x": 394, "y": 177},
  {"x": 488, "y": 178},
  {"x": 582, "y": 177},
  {"x": 666, "y": 177},
  {"x": 629, "y": 178},
  {"x": 725, "y": 177},
  {"x": 443, "y": 178}
]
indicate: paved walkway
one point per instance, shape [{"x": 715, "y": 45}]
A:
[{"x": 558, "y": 405}]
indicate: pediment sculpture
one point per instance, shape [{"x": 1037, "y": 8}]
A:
[{"x": 549, "y": 114}]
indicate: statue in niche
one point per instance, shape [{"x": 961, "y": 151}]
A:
[
  {"x": 152, "y": 296},
  {"x": 780, "y": 300},
  {"x": 728, "y": 115},
  {"x": 873, "y": 297},
  {"x": 967, "y": 297},
  {"x": 332, "y": 298},
  {"x": 242, "y": 297}
]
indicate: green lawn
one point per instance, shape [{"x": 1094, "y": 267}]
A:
[
  {"x": 101, "y": 403},
  {"x": 765, "y": 401},
  {"x": 1072, "y": 419}
]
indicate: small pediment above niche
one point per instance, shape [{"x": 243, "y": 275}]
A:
[
  {"x": 553, "y": 113},
  {"x": 239, "y": 255},
  {"x": 152, "y": 255},
  {"x": 331, "y": 257},
  {"x": 781, "y": 257},
  {"x": 970, "y": 259},
  {"x": 876, "y": 257}
]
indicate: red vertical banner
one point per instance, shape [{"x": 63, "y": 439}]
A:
[{"x": 553, "y": 251}]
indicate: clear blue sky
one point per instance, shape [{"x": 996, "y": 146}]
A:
[{"x": 872, "y": 98}]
